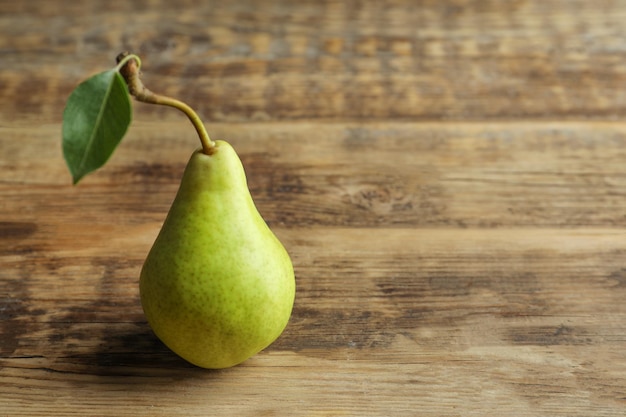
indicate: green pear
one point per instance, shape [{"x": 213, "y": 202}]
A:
[{"x": 217, "y": 286}]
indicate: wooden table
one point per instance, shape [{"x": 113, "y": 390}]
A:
[{"x": 448, "y": 176}]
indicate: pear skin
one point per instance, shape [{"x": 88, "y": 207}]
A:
[{"x": 217, "y": 286}]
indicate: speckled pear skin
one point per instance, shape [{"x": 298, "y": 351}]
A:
[{"x": 217, "y": 286}]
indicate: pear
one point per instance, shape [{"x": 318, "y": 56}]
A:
[{"x": 217, "y": 286}]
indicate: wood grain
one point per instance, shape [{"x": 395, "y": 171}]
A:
[
  {"x": 430, "y": 320},
  {"x": 263, "y": 60},
  {"x": 447, "y": 176}
]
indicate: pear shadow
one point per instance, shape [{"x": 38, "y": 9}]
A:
[
  {"x": 126, "y": 347},
  {"x": 135, "y": 350},
  {"x": 129, "y": 350}
]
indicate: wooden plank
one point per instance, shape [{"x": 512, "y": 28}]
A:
[
  {"x": 303, "y": 60},
  {"x": 442, "y": 321},
  {"x": 551, "y": 174}
]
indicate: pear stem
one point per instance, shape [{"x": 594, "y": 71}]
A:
[{"x": 128, "y": 67}]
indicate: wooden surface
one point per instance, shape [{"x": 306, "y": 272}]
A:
[{"x": 449, "y": 177}]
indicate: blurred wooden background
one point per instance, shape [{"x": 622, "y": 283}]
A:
[{"x": 449, "y": 177}]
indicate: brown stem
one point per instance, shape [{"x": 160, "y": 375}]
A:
[{"x": 129, "y": 70}]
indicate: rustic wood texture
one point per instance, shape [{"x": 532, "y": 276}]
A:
[{"x": 449, "y": 177}]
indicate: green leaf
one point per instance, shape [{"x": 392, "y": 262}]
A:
[{"x": 96, "y": 117}]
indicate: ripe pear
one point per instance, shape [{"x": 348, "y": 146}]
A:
[{"x": 217, "y": 286}]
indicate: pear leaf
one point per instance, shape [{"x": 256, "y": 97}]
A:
[{"x": 96, "y": 117}]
